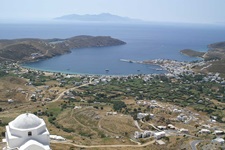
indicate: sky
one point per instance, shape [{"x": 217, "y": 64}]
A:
[{"x": 184, "y": 11}]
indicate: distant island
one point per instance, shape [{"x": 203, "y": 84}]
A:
[
  {"x": 104, "y": 17},
  {"x": 33, "y": 49}
]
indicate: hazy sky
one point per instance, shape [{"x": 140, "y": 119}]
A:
[{"x": 197, "y": 11}]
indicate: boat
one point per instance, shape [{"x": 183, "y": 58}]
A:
[{"x": 158, "y": 69}]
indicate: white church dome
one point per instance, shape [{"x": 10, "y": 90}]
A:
[{"x": 26, "y": 121}]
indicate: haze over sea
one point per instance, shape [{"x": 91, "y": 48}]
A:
[{"x": 144, "y": 42}]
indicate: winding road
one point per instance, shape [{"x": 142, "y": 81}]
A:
[
  {"x": 194, "y": 144},
  {"x": 102, "y": 146},
  {"x": 73, "y": 88}
]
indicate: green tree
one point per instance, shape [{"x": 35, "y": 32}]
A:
[{"x": 118, "y": 105}]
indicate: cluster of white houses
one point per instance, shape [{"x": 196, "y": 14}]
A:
[
  {"x": 143, "y": 115},
  {"x": 150, "y": 104},
  {"x": 145, "y": 134},
  {"x": 182, "y": 117}
]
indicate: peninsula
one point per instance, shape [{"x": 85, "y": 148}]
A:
[
  {"x": 192, "y": 53},
  {"x": 214, "y": 58},
  {"x": 215, "y": 51},
  {"x": 30, "y": 49}
]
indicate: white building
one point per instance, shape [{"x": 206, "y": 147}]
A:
[
  {"x": 147, "y": 134},
  {"x": 56, "y": 137},
  {"x": 111, "y": 113},
  {"x": 141, "y": 115},
  {"x": 10, "y": 101},
  {"x": 218, "y": 132},
  {"x": 177, "y": 110},
  {"x": 182, "y": 130},
  {"x": 159, "y": 135},
  {"x": 170, "y": 126},
  {"x": 137, "y": 135},
  {"x": 204, "y": 131},
  {"x": 161, "y": 127},
  {"x": 182, "y": 117},
  {"x": 206, "y": 126},
  {"x": 144, "y": 134},
  {"x": 218, "y": 140},
  {"x": 27, "y": 132}
]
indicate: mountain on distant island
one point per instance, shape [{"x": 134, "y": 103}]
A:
[{"x": 104, "y": 17}]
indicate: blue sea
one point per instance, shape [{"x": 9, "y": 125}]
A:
[{"x": 144, "y": 42}]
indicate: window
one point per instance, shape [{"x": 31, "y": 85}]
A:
[{"x": 29, "y": 133}]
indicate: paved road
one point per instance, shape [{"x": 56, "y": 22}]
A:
[{"x": 194, "y": 144}]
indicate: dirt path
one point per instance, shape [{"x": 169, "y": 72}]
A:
[
  {"x": 103, "y": 146},
  {"x": 84, "y": 126},
  {"x": 137, "y": 125},
  {"x": 100, "y": 127},
  {"x": 73, "y": 88}
]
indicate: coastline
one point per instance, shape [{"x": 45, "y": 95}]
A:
[
  {"x": 51, "y": 72},
  {"x": 164, "y": 64},
  {"x": 35, "y": 49}
]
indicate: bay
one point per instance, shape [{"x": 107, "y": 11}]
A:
[{"x": 144, "y": 42}]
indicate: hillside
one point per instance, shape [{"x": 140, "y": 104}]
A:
[
  {"x": 216, "y": 51},
  {"x": 192, "y": 53},
  {"x": 32, "y": 49},
  {"x": 214, "y": 57},
  {"x": 104, "y": 17}
]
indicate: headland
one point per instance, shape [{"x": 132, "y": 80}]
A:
[{"x": 31, "y": 49}]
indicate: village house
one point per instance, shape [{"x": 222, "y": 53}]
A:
[
  {"x": 177, "y": 110},
  {"x": 153, "y": 101},
  {"x": 206, "y": 126},
  {"x": 144, "y": 134},
  {"x": 141, "y": 115},
  {"x": 10, "y": 101},
  {"x": 205, "y": 131},
  {"x": 153, "y": 106},
  {"x": 111, "y": 113},
  {"x": 57, "y": 138},
  {"x": 137, "y": 135},
  {"x": 159, "y": 135},
  {"x": 170, "y": 126},
  {"x": 182, "y": 130},
  {"x": 213, "y": 121},
  {"x": 182, "y": 117},
  {"x": 218, "y": 140},
  {"x": 77, "y": 107},
  {"x": 218, "y": 132},
  {"x": 161, "y": 127}
]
